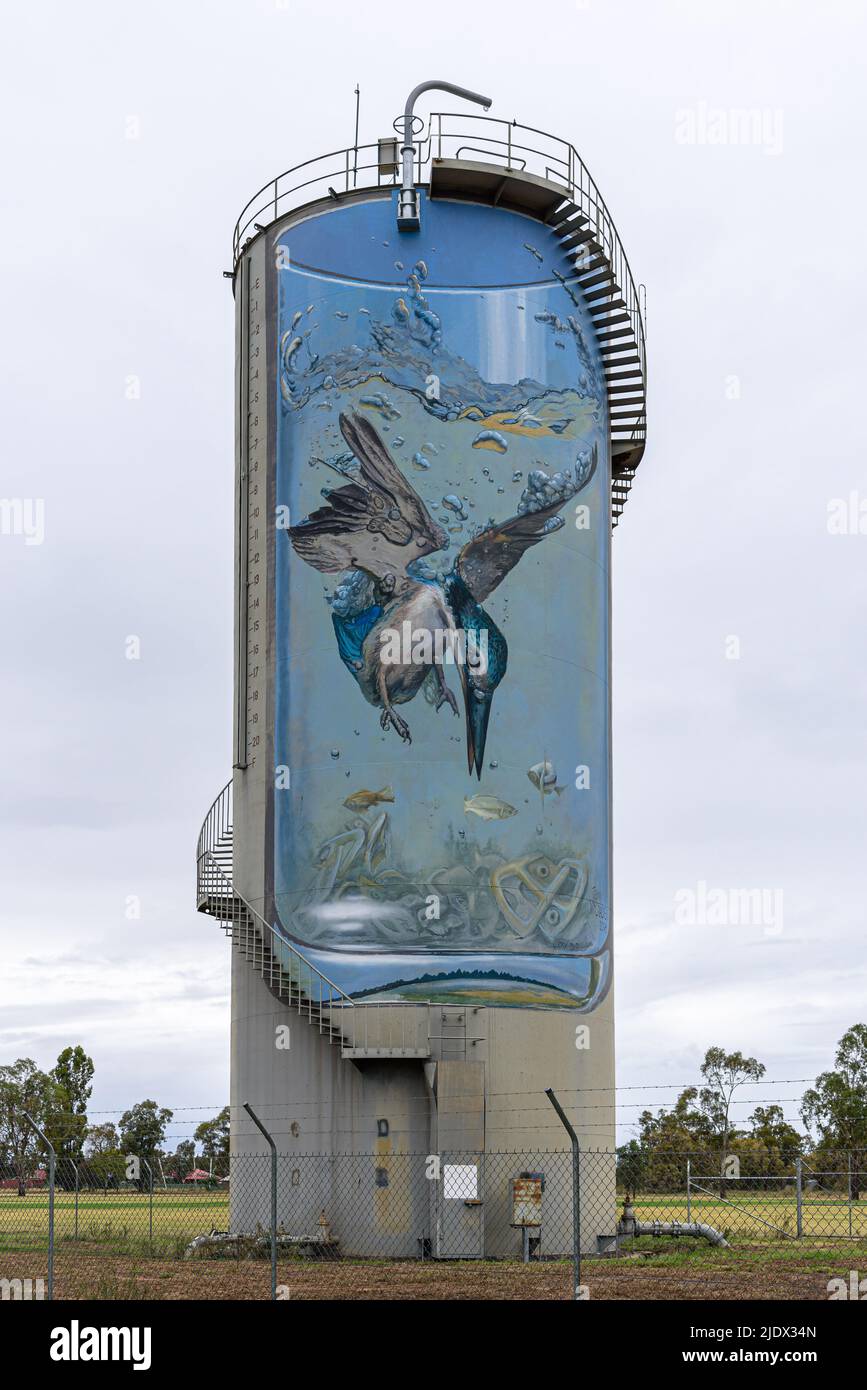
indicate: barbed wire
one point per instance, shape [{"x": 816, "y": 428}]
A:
[{"x": 422, "y": 1100}]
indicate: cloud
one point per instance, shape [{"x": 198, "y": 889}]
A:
[{"x": 739, "y": 772}]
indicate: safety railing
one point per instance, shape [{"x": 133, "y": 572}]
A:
[
  {"x": 453, "y": 135},
  {"x": 215, "y": 836},
  {"x": 373, "y": 1028},
  {"x": 284, "y": 968},
  {"x": 448, "y": 135}
]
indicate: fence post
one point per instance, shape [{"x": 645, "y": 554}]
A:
[
  {"x": 75, "y": 1170},
  {"x": 800, "y": 1216},
  {"x": 576, "y": 1194},
  {"x": 273, "y": 1147},
  {"x": 849, "y": 1189},
  {"x": 150, "y": 1204},
  {"x": 688, "y": 1193},
  {"x": 52, "y": 1158}
]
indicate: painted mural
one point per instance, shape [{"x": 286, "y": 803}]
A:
[{"x": 441, "y": 804}]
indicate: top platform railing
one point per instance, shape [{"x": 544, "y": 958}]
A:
[{"x": 450, "y": 135}]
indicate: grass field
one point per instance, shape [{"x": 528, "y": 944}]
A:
[
  {"x": 177, "y": 1215},
  {"x": 761, "y": 1215},
  {"x": 115, "y": 1220},
  {"x": 118, "y": 1255}
]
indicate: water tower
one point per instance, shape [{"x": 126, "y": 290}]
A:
[{"x": 440, "y": 407}]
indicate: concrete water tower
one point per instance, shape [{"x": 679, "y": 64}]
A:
[{"x": 440, "y": 407}]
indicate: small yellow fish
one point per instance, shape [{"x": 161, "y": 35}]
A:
[
  {"x": 488, "y": 807},
  {"x": 363, "y": 800}
]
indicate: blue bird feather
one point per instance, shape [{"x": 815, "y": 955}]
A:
[{"x": 380, "y": 526}]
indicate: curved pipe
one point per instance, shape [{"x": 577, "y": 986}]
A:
[
  {"x": 407, "y": 207},
  {"x": 681, "y": 1228},
  {"x": 628, "y": 1226}
]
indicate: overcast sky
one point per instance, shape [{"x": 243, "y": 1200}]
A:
[{"x": 133, "y": 134}]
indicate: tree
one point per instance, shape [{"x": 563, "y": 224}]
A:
[
  {"x": 723, "y": 1073},
  {"x": 668, "y": 1138},
  {"x": 100, "y": 1139},
  {"x": 213, "y": 1135},
  {"x": 183, "y": 1160},
  {"x": 772, "y": 1146},
  {"x": 104, "y": 1158},
  {"x": 23, "y": 1087},
  {"x": 680, "y": 1129},
  {"x": 772, "y": 1131},
  {"x": 143, "y": 1130},
  {"x": 73, "y": 1074},
  {"x": 835, "y": 1107}
]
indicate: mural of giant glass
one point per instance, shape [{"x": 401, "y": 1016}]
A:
[{"x": 442, "y": 817}]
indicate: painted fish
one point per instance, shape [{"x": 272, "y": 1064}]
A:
[
  {"x": 544, "y": 778},
  {"x": 488, "y": 807},
  {"x": 544, "y": 420},
  {"x": 363, "y": 800}
]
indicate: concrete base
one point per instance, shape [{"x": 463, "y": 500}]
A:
[{"x": 372, "y": 1153}]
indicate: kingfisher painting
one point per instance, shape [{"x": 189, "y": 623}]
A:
[{"x": 377, "y": 524}]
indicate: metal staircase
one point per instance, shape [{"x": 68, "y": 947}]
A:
[
  {"x": 601, "y": 275},
  {"x": 363, "y": 1030},
  {"x": 620, "y": 336}
]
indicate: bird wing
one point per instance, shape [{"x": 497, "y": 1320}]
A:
[
  {"x": 486, "y": 560},
  {"x": 379, "y": 526}
]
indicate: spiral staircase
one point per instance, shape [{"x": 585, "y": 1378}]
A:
[
  {"x": 363, "y": 1031},
  {"x": 599, "y": 273}
]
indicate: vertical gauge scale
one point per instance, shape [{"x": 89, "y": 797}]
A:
[{"x": 250, "y": 521}]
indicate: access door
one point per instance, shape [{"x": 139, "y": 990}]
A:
[{"x": 460, "y": 1207}]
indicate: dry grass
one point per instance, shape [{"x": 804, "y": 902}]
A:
[
  {"x": 114, "y": 1257},
  {"x": 97, "y": 1275}
]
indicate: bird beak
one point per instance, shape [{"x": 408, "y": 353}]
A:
[{"x": 478, "y": 713}]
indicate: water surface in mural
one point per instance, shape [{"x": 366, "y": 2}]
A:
[{"x": 442, "y": 611}]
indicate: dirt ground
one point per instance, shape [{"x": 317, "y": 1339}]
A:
[{"x": 624, "y": 1280}]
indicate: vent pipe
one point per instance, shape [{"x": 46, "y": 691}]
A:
[{"x": 407, "y": 208}]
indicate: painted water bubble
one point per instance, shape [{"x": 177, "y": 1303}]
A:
[{"x": 490, "y": 439}]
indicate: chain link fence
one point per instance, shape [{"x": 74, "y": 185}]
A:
[{"x": 440, "y": 1226}]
